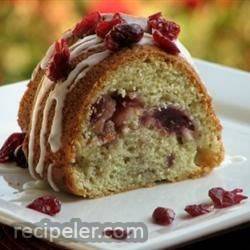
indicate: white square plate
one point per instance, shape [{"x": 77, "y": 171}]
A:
[{"x": 230, "y": 90}]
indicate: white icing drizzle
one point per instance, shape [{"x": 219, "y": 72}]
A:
[
  {"x": 45, "y": 60},
  {"x": 83, "y": 40},
  {"x": 38, "y": 184},
  {"x": 135, "y": 19},
  {"x": 146, "y": 39},
  {"x": 9, "y": 169},
  {"x": 59, "y": 93},
  {"x": 50, "y": 179},
  {"x": 88, "y": 44},
  {"x": 184, "y": 52},
  {"x": 233, "y": 159},
  {"x": 39, "y": 167},
  {"x": 45, "y": 85},
  {"x": 67, "y": 34}
]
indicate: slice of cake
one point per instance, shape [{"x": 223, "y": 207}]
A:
[{"x": 116, "y": 105}]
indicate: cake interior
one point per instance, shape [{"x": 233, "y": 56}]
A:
[{"x": 165, "y": 133}]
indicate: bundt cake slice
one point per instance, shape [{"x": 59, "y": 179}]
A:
[{"x": 116, "y": 105}]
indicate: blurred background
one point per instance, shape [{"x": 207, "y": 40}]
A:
[{"x": 214, "y": 30}]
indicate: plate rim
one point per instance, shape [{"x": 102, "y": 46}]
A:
[{"x": 187, "y": 233}]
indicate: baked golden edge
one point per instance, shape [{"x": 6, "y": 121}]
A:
[{"x": 77, "y": 106}]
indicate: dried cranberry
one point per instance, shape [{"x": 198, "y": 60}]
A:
[
  {"x": 164, "y": 32},
  {"x": 165, "y": 43},
  {"x": 170, "y": 30},
  {"x": 111, "y": 44},
  {"x": 46, "y": 204},
  {"x": 117, "y": 234},
  {"x": 173, "y": 120},
  {"x": 59, "y": 66},
  {"x": 20, "y": 158},
  {"x": 9, "y": 147},
  {"x": 127, "y": 33},
  {"x": 223, "y": 198},
  {"x": 163, "y": 216},
  {"x": 123, "y": 35},
  {"x": 126, "y": 107},
  {"x": 155, "y": 16},
  {"x": 196, "y": 210},
  {"x": 156, "y": 21},
  {"x": 103, "y": 27},
  {"x": 102, "y": 112},
  {"x": 87, "y": 25},
  {"x": 109, "y": 133},
  {"x": 148, "y": 120},
  {"x": 170, "y": 160},
  {"x": 167, "y": 28},
  {"x": 110, "y": 114}
]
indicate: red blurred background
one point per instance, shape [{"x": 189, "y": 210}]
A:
[{"x": 214, "y": 30}]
